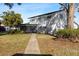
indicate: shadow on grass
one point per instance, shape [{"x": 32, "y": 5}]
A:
[{"x": 20, "y": 54}]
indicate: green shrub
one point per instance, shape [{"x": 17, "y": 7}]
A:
[
  {"x": 3, "y": 33},
  {"x": 68, "y": 33},
  {"x": 16, "y": 31}
]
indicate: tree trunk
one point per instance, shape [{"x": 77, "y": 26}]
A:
[{"x": 70, "y": 16}]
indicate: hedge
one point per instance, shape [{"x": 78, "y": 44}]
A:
[{"x": 68, "y": 33}]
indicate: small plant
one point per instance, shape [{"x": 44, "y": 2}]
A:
[{"x": 70, "y": 34}]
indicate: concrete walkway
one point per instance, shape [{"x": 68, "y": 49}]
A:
[{"x": 32, "y": 47}]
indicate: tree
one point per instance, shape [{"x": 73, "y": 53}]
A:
[
  {"x": 10, "y": 5},
  {"x": 69, "y": 8},
  {"x": 70, "y": 14},
  {"x": 12, "y": 19}
]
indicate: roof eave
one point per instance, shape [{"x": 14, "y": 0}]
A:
[{"x": 45, "y": 14}]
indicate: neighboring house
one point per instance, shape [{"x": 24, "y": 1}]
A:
[
  {"x": 50, "y": 22},
  {"x": 8, "y": 28}
]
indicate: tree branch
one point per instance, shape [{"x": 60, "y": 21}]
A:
[{"x": 63, "y": 6}]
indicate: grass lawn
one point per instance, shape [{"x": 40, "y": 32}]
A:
[
  {"x": 11, "y": 44},
  {"x": 55, "y": 47}
]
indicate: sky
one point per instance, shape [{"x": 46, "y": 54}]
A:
[{"x": 32, "y": 9}]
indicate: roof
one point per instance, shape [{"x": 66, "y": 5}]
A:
[{"x": 46, "y": 14}]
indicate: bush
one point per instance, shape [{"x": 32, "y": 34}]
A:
[
  {"x": 16, "y": 31},
  {"x": 68, "y": 33},
  {"x": 3, "y": 33}
]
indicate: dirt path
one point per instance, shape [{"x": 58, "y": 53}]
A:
[{"x": 32, "y": 47}]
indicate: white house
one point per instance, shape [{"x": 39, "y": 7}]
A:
[{"x": 51, "y": 22}]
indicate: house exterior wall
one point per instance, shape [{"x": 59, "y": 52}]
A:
[{"x": 51, "y": 22}]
